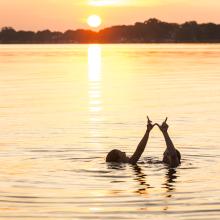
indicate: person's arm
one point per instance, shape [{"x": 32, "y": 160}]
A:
[
  {"x": 173, "y": 158},
  {"x": 141, "y": 146},
  {"x": 170, "y": 145}
]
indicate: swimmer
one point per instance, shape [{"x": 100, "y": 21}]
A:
[
  {"x": 120, "y": 157},
  {"x": 171, "y": 155}
]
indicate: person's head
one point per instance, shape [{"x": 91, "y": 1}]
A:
[
  {"x": 169, "y": 160},
  {"x": 117, "y": 156}
]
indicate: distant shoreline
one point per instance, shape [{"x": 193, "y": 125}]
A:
[
  {"x": 148, "y": 32},
  {"x": 127, "y": 43}
]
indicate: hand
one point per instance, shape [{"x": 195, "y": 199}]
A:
[
  {"x": 164, "y": 127},
  {"x": 149, "y": 124}
]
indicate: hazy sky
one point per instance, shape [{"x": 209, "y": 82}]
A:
[{"x": 72, "y": 14}]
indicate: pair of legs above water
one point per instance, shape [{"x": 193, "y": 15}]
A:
[{"x": 171, "y": 155}]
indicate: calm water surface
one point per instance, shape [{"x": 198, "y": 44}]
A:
[{"x": 63, "y": 107}]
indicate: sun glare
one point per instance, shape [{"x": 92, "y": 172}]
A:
[{"x": 94, "y": 21}]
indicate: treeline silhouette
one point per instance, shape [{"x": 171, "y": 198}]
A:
[{"x": 150, "y": 31}]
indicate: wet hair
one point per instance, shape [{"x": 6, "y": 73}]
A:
[
  {"x": 166, "y": 157},
  {"x": 113, "y": 156}
]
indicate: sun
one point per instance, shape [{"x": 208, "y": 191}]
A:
[{"x": 94, "y": 21}]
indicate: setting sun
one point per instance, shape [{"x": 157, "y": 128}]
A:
[{"x": 94, "y": 21}]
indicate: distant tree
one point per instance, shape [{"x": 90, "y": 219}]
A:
[
  {"x": 210, "y": 32},
  {"x": 25, "y": 36},
  {"x": 56, "y": 36},
  {"x": 153, "y": 21},
  {"x": 157, "y": 30},
  {"x": 69, "y": 36},
  {"x": 140, "y": 31},
  {"x": 8, "y": 35},
  {"x": 188, "y": 32},
  {"x": 44, "y": 36}
]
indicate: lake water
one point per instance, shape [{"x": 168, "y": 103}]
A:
[{"x": 64, "y": 107}]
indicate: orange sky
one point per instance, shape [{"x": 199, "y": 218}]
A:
[{"x": 72, "y": 14}]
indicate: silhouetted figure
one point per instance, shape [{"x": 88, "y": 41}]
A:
[
  {"x": 120, "y": 157},
  {"x": 171, "y": 155}
]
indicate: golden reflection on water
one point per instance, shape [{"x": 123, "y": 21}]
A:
[
  {"x": 94, "y": 77},
  {"x": 94, "y": 62},
  {"x": 94, "y": 90}
]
